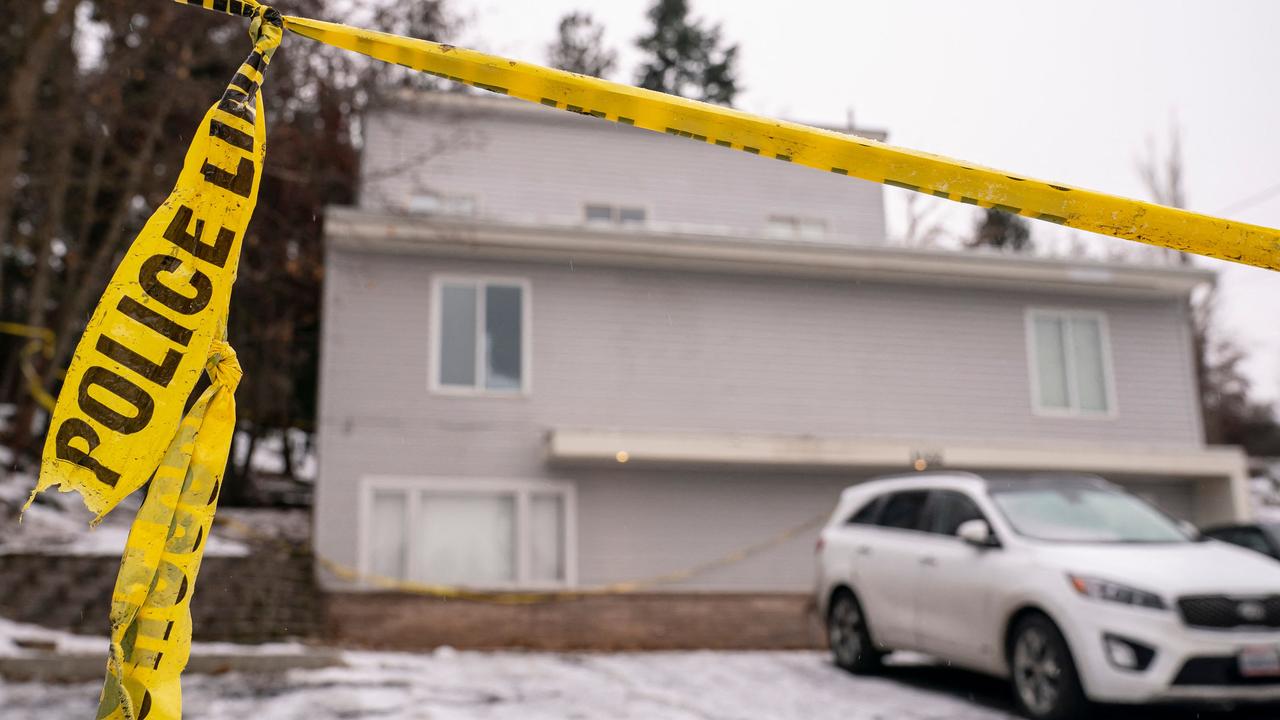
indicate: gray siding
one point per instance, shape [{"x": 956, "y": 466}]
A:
[
  {"x": 639, "y": 349},
  {"x": 539, "y": 165}
]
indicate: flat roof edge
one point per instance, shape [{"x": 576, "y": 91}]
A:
[
  {"x": 476, "y": 102},
  {"x": 779, "y": 451},
  {"x": 379, "y": 231}
]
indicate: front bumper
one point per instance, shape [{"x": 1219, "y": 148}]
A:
[{"x": 1189, "y": 664}]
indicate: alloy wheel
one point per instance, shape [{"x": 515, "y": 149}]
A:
[
  {"x": 1037, "y": 671},
  {"x": 845, "y": 631}
]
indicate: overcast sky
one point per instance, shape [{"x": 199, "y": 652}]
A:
[{"x": 1062, "y": 91}]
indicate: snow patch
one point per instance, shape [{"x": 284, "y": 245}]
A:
[
  {"x": 554, "y": 686},
  {"x": 25, "y": 640},
  {"x": 57, "y": 523},
  {"x": 269, "y": 450}
]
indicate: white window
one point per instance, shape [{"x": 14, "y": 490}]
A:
[
  {"x": 480, "y": 335},
  {"x": 437, "y": 204},
  {"x": 1070, "y": 363},
  {"x": 598, "y": 213},
  {"x": 469, "y": 532},
  {"x": 790, "y": 227}
]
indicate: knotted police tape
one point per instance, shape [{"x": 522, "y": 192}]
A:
[
  {"x": 160, "y": 323},
  {"x": 151, "y": 603}
]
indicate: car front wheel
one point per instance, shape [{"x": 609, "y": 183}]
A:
[
  {"x": 849, "y": 637},
  {"x": 1045, "y": 682}
]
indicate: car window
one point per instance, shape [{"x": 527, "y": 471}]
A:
[
  {"x": 1272, "y": 533},
  {"x": 1084, "y": 513},
  {"x": 867, "y": 515},
  {"x": 903, "y": 510},
  {"x": 948, "y": 510},
  {"x": 1251, "y": 538}
]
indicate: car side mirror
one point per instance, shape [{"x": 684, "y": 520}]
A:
[
  {"x": 977, "y": 533},
  {"x": 1191, "y": 530}
]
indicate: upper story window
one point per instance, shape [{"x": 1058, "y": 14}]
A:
[
  {"x": 792, "y": 227},
  {"x": 437, "y": 204},
  {"x": 614, "y": 214},
  {"x": 1070, "y": 363},
  {"x": 472, "y": 532},
  {"x": 480, "y": 335}
]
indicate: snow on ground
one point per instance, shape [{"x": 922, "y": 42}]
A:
[
  {"x": 26, "y": 640},
  {"x": 291, "y": 526},
  {"x": 1264, "y": 490},
  {"x": 448, "y": 685},
  {"x": 58, "y": 523},
  {"x": 268, "y": 453},
  {"x": 22, "y": 639}
]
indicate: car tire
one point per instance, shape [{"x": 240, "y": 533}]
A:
[
  {"x": 849, "y": 636},
  {"x": 1046, "y": 685}
]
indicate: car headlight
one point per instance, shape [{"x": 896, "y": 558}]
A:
[{"x": 1115, "y": 592}]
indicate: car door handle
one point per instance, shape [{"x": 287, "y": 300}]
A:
[
  {"x": 929, "y": 561},
  {"x": 864, "y": 549}
]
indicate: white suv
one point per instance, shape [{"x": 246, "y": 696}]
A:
[{"x": 1074, "y": 589}]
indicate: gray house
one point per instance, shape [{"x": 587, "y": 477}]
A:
[{"x": 560, "y": 354}]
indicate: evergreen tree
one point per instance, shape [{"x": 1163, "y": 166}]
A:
[
  {"x": 1001, "y": 230},
  {"x": 1232, "y": 415},
  {"x": 580, "y": 47},
  {"x": 685, "y": 57}
]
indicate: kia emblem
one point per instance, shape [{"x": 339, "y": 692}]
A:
[{"x": 1251, "y": 611}]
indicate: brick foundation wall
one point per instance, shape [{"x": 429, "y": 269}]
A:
[
  {"x": 657, "y": 621},
  {"x": 271, "y": 594},
  {"x": 268, "y": 595}
]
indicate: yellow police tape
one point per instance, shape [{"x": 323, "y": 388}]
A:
[
  {"x": 497, "y": 597},
  {"x": 147, "y": 341},
  {"x": 822, "y": 149},
  {"x": 151, "y": 603},
  {"x": 41, "y": 341},
  {"x": 159, "y": 324}
]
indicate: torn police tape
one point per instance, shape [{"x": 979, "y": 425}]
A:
[
  {"x": 161, "y": 323},
  {"x": 151, "y": 602},
  {"x": 146, "y": 343}
]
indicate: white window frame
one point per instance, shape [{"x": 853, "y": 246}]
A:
[
  {"x": 1033, "y": 364},
  {"x": 435, "y": 341},
  {"x": 416, "y": 204},
  {"x": 615, "y": 220},
  {"x": 522, "y": 489},
  {"x": 794, "y": 222}
]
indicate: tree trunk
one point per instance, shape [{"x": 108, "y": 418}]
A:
[
  {"x": 238, "y": 479},
  {"x": 19, "y": 109},
  {"x": 9, "y": 371},
  {"x": 286, "y": 443},
  {"x": 96, "y": 273},
  {"x": 59, "y": 185}
]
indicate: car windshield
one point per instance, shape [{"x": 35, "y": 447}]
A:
[{"x": 1084, "y": 514}]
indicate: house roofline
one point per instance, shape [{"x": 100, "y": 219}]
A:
[
  {"x": 385, "y": 232},
  {"x": 470, "y": 103}
]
